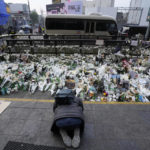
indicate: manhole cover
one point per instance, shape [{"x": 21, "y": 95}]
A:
[{"x": 24, "y": 146}]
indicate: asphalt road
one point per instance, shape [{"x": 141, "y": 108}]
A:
[{"x": 107, "y": 126}]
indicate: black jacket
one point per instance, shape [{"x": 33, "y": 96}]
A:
[{"x": 74, "y": 110}]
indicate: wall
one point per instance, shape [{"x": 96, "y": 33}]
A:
[
  {"x": 140, "y": 3},
  {"x": 145, "y": 3},
  {"x": 107, "y": 3},
  {"x": 100, "y": 3},
  {"x": 143, "y": 21},
  {"x": 109, "y": 11},
  {"x": 134, "y": 16},
  {"x": 137, "y": 17},
  {"x": 90, "y": 6},
  {"x": 88, "y": 11},
  {"x": 135, "y": 3}
]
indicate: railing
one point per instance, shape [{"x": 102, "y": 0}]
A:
[
  {"x": 61, "y": 40},
  {"x": 56, "y": 42},
  {"x": 19, "y": 43},
  {"x": 45, "y": 36}
]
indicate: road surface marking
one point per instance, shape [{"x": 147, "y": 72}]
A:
[{"x": 85, "y": 102}]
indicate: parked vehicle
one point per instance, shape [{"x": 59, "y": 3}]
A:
[
  {"x": 133, "y": 30},
  {"x": 80, "y": 25}
]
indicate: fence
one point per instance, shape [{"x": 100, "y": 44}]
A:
[{"x": 32, "y": 42}]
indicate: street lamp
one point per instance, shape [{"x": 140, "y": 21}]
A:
[
  {"x": 29, "y": 11},
  {"x": 29, "y": 6}
]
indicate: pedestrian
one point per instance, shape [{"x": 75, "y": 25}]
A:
[
  {"x": 43, "y": 29},
  {"x": 68, "y": 117},
  {"x": 21, "y": 31},
  {"x": 118, "y": 48},
  {"x": 9, "y": 29},
  {"x": 40, "y": 29},
  {"x": 1, "y": 30},
  {"x": 31, "y": 30}
]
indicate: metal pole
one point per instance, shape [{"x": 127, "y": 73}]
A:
[
  {"x": 29, "y": 10},
  {"x": 29, "y": 6},
  {"x": 147, "y": 32}
]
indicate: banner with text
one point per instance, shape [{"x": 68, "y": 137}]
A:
[
  {"x": 56, "y": 1},
  {"x": 65, "y": 8},
  {"x": 56, "y": 9},
  {"x": 74, "y": 7}
]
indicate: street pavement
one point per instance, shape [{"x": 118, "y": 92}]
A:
[{"x": 107, "y": 126}]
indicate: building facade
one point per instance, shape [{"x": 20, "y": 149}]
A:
[
  {"x": 104, "y": 7},
  {"x": 94, "y": 3},
  {"x": 19, "y": 14},
  {"x": 138, "y": 15},
  {"x": 89, "y": 6},
  {"x": 99, "y": 3},
  {"x": 65, "y": 7}
]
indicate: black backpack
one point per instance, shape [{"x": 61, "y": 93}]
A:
[{"x": 64, "y": 97}]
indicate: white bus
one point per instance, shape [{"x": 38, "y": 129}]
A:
[{"x": 80, "y": 25}]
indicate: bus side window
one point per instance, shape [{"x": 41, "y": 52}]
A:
[
  {"x": 101, "y": 26},
  {"x": 87, "y": 27},
  {"x": 92, "y": 27}
]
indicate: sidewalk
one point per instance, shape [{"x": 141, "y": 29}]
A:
[{"x": 107, "y": 127}]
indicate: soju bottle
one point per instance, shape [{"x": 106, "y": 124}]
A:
[
  {"x": 3, "y": 91},
  {"x": 137, "y": 98}
]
